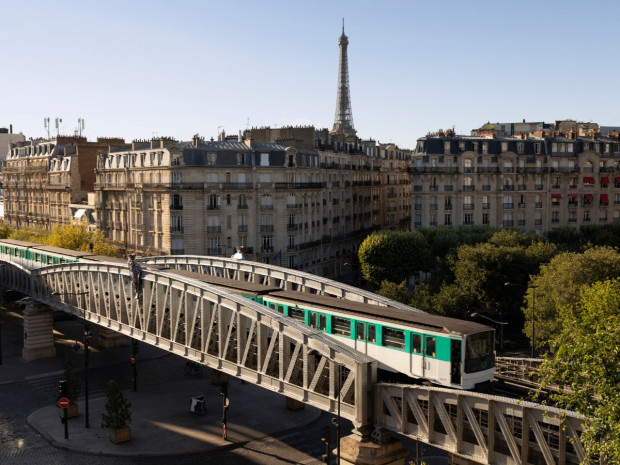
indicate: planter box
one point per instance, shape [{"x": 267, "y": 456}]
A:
[
  {"x": 72, "y": 411},
  {"x": 120, "y": 434}
]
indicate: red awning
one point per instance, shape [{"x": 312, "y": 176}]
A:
[
  {"x": 556, "y": 196},
  {"x": 604, "y": 180},
  {"x": 604, "y": 198},
  {"x": 588, "y": 180},
  {"x": 588, "y": 196},
  {"x": 618, "y": 179}
]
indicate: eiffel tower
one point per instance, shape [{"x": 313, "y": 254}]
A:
[{"x": 343, "y": 122}]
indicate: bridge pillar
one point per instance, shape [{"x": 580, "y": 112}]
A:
[
  {"x": 382, "y": 450},
  {"x": 38, "y": 332},
  {"x": 108, "y": 339}
]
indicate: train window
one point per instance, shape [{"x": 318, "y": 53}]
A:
[
  {"x": 322, "y": 322},
  {"x": 341, "y": 326},
  {"x": 313, "y": 320},
  {"x": 280, "y": 308},
  {"x": 360, "y": 332},
  {"x": 393, "y": 338},
  {"x": 431, "y": 349},
  {"x": 297, "y": 314},
  {"x": 372, "y": 333},
  {"x": 416, "y": 341}
]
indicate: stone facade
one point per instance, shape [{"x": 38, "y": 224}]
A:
[
  {"x": 45, "y": 180},
  {"x": 300, "y": 207},
  {"x": 531, "y": 181}
]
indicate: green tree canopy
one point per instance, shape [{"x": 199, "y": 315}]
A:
[
  {"x": 586, "y": 365},
  {"x": 559, "y": 285},
  {"x": 393, "y": 256},
  {"x": 397, "y": 292},
  {"x": 482, "y": 270}
]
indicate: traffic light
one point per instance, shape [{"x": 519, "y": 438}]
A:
[
  {"x": 62, "y": 388},
  {"x": 326, "y": 434}
]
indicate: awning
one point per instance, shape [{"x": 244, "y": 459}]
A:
[
  {"x": 604, "y": 180},
  {"x": 588, "y": 180},
  {"x": 79, "y": 213},
  {"x": 604, "y": 198},
  {"x": 556, "y": 196},
  {"x": 588, "y": 196},
  {"x": 618, "y": 179}
]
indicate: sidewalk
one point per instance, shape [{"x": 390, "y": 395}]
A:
[
  {"x": 161, "y": 420},
  {"x": 163, "y": 425}
]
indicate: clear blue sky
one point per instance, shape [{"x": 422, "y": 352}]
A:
[{"x": 135, "y": 69}]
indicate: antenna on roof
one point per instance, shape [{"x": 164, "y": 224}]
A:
[
  {"x": 57, "y": 122},
  {"x": 46, "y": 125},
  {"x": 80, "y": 127}
]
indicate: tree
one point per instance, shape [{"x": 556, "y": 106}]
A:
[
  {"x": 393, "y": 256},
  {"x": 116, "y": 412},
  {"x": 73, "y": 382},
  {"x": 585, "y": 363},
  {"x": 79, "y": 237},
  {"x": 397, "y": 292},
  {"x": 482, "y": 270},
  {"x": 559, "y": 285}
]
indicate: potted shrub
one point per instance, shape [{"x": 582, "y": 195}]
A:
[
  {"x": 116, "y": 414},
  {"x": 73, "y": 388}
]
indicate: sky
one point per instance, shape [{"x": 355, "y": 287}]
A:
[{"x": 138, "y": 69}]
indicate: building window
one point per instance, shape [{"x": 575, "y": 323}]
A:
[
  {"x": 447, "y": 219},
  {"x": 520, "y": 148},
  {"x": 555, "y": 217},
  {"x": 211, "y": 158},
  {"x": 241, "y": 159},
  {"x": 264, "y": 159},
  {"x": 468, "y": 219},
  {"x": 485, "y": 218}
]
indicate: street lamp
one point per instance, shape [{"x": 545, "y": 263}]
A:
[
  {"x": 501, "y": 328},
  {"x": 76, "y": 347},
  {"x": 533, "y": 288}
]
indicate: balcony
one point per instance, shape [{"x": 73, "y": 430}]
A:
[
  {"x": 292, "y": 227},
  {"x": 433, "y": 188},
  {"x": 538, "y": 205},
  {"x": 242, "y": 228},
  {"x": 508, "y": 223},
  {"x": 508, "y": 187},
  {"x": 266, "y": 228},
  {"x": 447, "y": 207},
  {"x": 468, "y": 206},
  {"x": 213, "y": 207},
  {"x": 267, "y": 207},
  {"x": 509, "y": 205},
  {"x": 539, "y": 187},
  {"x": 242, "y": 207},
  {"x": 521, "y": 223},
  {"x": 214, "y": 251},
  {"x": 486, "y": 187},
  {"x": 214, "y": 229},
  {"x": 470, "y": 188},
  {"x": 176, "y": 229},
  {"x": 537, "y": 222},
  {"x": 266, "y": 250},
  {"x": 417, "y": 206},
  {"x": 448, "y": 187},
  {"x": 486, "y": 206},
  {"x": 176, "y": 206},
  {"x": 521, "y": 187},
  {"x": 433, "y": 206}
]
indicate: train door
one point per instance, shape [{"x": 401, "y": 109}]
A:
[
  {"x": 417, "y": 359},
  {"x": 455, "y": 361},
  {"x": 430, "y": 358},
  {"x": 360, "y": 336}
]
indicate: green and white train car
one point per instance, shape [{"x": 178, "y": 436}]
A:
[{"x": 444, "y": 351}]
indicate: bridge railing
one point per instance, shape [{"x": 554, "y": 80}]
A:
[
  {"x": 481, "y": 428},
  {"x": 264, "y": 273}
]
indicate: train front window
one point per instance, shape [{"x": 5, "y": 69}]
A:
[{"x": 479, "y": 352}]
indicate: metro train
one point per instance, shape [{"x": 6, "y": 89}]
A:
[
  {"x": 440, "y": 350},
  {"x": 444, "y": 351}
]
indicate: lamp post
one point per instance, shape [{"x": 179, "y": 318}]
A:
[
  {"x": 76, "y": 346},
  {"x": 501, "y": 328},
  {"x": 533, "y": 288},
  {"x": 336, "y": 421}
]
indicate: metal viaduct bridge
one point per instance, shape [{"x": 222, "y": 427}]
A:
[{"x": 252, "y": 342}]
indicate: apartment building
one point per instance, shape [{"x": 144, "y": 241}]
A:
[
  {"x": 296, "y": 197},
  {"x": 46, "y": 181},
  {"x": 537, "y": 180}
]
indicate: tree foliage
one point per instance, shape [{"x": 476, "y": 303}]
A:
[
  {"x": 586, "y": 363},
  {"x": 559, "y": 285},
  {"x": 393, "y": 256},
  {"x": 397, "y": 292},
  {"x": 116, "y": 413},
  {"x": 481, "y": 271}
]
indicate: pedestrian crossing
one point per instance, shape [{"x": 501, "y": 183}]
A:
[{"x": 47, "y": 386}]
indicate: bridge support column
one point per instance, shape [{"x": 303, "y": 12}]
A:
[
  {"x": 108, "y": 339},
  {"x": 38, "y": 332},
  {"x": 382, "y": 450}
]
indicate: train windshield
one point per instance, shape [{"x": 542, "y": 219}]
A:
[{"x": 479, "y": 352}]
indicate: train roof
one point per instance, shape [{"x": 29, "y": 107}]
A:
[
  {"x": 431, "y": 322},
  {"x": 104, "y": 258},
  {"x": 18, "y": 243},
  {"x": 60, "y": 251},
  {"x": 243, "y": 287}
]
